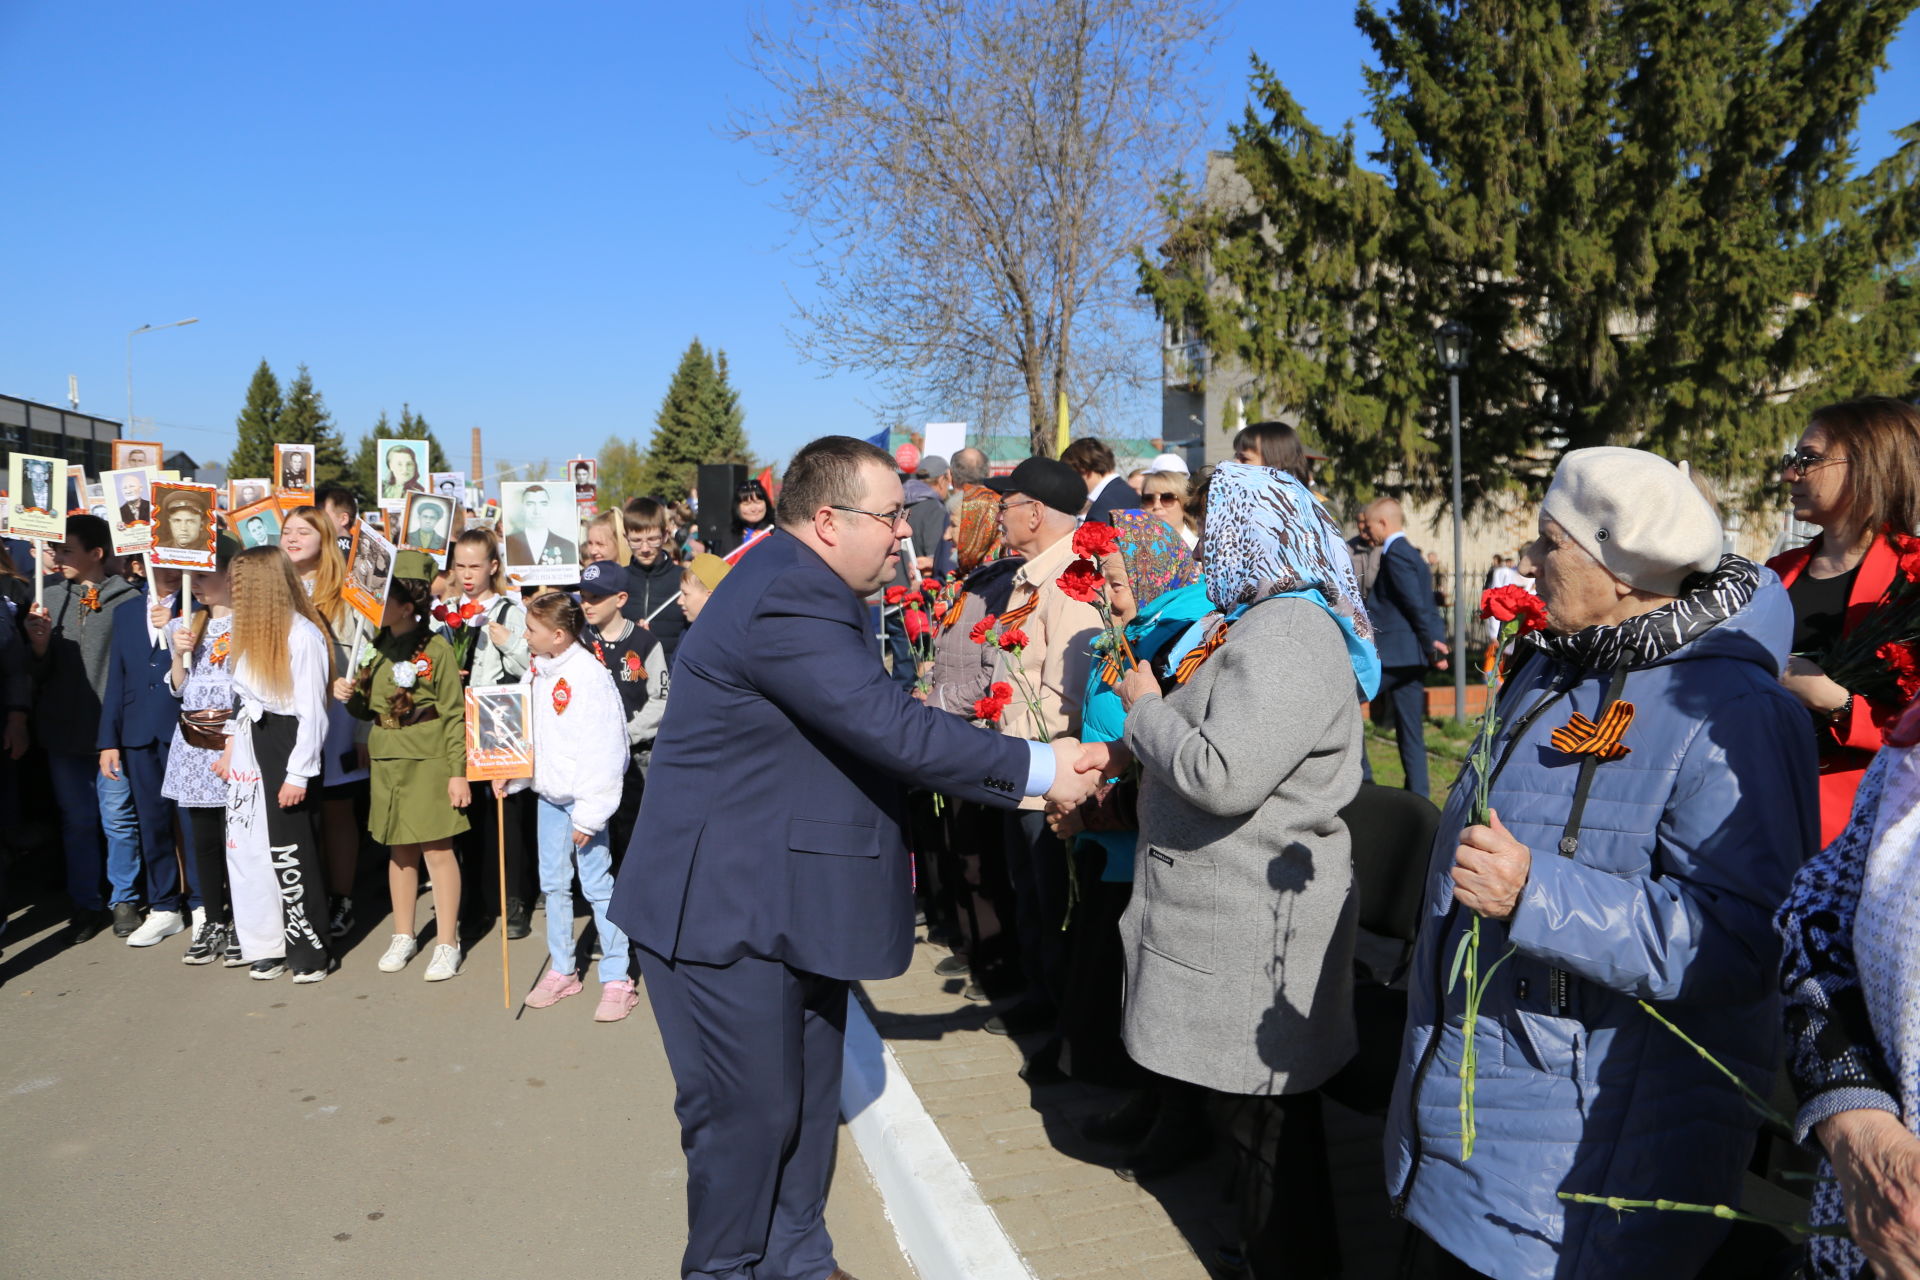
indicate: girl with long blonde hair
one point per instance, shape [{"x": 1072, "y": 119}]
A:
[
  {"x": 282, "y": 664},
  {"x": 307, "y": 535},
  {"x": 606, "y": 539}
]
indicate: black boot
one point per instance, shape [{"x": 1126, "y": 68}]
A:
[
  {"x": 519, "y": 925},
  {"x": 1180, "y": 1135},
  {"x": 1126, "y": 1124}
]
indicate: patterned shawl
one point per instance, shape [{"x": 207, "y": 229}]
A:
[
  {"x": 1267, "y": 536},
  {"x": 977, "y": 540},
  {"x": 1157, "y": 558}
]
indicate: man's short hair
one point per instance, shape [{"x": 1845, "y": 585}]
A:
[
  {"x": 1088, "y": 456},
  {"x": 970, "y": 466},
  {"x": 643, "y": 514},
  {"x": 826, "y": 473},
  {"x": 336, "y": 495},
  {"x": 91, "y": 532}
]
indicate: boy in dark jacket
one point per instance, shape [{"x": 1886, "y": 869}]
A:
[{"x": 639, "y": 666}]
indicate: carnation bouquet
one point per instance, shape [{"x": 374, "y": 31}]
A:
[{"x": 1879, "y": 660}]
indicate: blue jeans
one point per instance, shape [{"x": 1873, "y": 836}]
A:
[
  {"x": 558, "y": 860},
  {"x": 96, "y": 811}
]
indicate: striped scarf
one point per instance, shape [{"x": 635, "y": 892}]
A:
[{"x": 1642, "y": 641}]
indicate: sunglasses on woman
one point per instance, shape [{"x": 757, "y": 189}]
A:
[
  {"x": 1804, "y": 462},
  {"x": 1160, "y": 499}
]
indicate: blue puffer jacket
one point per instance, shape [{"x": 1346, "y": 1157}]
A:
[{"x": 1686, "y": 847}]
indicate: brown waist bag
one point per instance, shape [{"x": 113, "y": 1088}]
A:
[{"x": 206, "y": 729}]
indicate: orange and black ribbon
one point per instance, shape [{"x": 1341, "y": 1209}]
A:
[
  {"x": 1582, "y": 737},
  {"x": 1014, "y": 617},
  {"x": 90, "y": 598},
  {"x": 1194, "y": 660},
  {"x": 953, "y": 613}
]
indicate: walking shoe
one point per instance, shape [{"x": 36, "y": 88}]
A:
[
  {"x": 342, "y": 917},
  {"x": 399, "y": 951},
  {"x": 552, "y": 988},
  {"x": 126, "y": 918},
  {"x": 617, "y": 999},
  {"x": 266, "y": 970},
  {"x": 159, "y": 926},
  {"x": 445, "y": 962},
  {"x": 207, "y": 943},
  {"x": 518, "y": 923},
  {"x": 1126, "y": 1124},
  {"x": 975, "y": 992},
  {"x": 230, "y": 957},
  {"x": 310, "y": 975},
  {"x": 952, "y": 967},
  {"x": 85, "y": 925}
]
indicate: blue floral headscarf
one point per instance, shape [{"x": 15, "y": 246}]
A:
[
  {"x": 1267, "y": 536},
  {"x": 1157, "y": 558}
]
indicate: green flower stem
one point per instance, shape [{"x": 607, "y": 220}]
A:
[
  {"x": 1754, "y": 1100},
  {"x": 1622, "y": 1205}
]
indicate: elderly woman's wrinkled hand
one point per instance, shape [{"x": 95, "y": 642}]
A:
[
  {"x": 1490, "y": 869},
  {"x": 1878, "y": 1165},
  {"x": 1137, "y": 684}
]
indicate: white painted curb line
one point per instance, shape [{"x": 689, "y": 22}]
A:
[{"x": 944, "y": 1226}]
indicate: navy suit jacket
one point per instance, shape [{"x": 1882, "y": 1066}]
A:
[
  {"x": 1405, "y": 623},
  {"x": 1115, "y": 495},
  {"x": 772, "y": 823},
  {"x": 138, "y": 710}
]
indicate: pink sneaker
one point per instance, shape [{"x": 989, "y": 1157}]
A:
[
  {"x": 617, "y": 999},
  {"x": 552, "y": 989}
]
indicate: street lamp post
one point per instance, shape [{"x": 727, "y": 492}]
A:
[
  {"x": 1450, "y": 343},
  {"x": 145, "y": 328}
]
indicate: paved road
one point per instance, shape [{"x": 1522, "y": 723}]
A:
[{"x": 162, "y": 1120}]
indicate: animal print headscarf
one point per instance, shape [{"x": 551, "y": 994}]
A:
[{"x": 1267, "y": 536}]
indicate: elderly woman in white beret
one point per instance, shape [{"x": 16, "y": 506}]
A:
[{"x": 1631, "y": 858}]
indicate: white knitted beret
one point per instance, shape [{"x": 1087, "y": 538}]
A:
[{"x": 1637, "y": 514}]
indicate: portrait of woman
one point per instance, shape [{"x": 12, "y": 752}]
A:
[{"x": 402, "y": 464}]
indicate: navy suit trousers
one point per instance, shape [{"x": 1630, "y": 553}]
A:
[
  {"x": 1402, "y": 704},
  {"x": 146, "y": 770},
  {"x": 755, "y": 1051}
]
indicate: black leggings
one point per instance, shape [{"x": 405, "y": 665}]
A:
[
  {"x": 294, "y": 835},
  {"x": 207, "y": 834}
]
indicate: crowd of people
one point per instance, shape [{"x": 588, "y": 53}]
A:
[{"x": 1696, "y": 811}]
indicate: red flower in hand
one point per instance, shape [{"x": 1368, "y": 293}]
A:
[
  {"x": 1909, "y": 549},
  {"x": 439, "y": 612},
  {"x": 1013, "y": 641},
  {"x": 989, "y": 709},
  {"x": 1082, "y": 581},
  {"x": 1515, "y": 604},
  {"x": 916, "y": 624},
  {"x": 1001, "y": 691},
  {"x": 1095, "y": 540},
  {"x": 980, "y": 629},
  {"x": 896, "y": 594},
  {"x": 1903, "y": 664}
]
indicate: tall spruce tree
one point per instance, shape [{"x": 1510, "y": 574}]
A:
[
  {"x": 1648, "y": 215},
  {"x": 700, "y": 420},
  {"x": 364, "y": 474},
  {"x": 258, "y": 426},
  {"x": 304, "y": 420}
]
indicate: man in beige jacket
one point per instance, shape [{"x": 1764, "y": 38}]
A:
[{"x": 1039, "y": 506}]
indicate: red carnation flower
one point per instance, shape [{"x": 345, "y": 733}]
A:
[
  {"x": 1001, "y": 691},
  {"x": 1013, "y": 640},
  {"x": 1903, "y": 664},
  {"x": 916, "y": 624},
  {"x": 1909, "y": 549},
  {"x": 989, "y": 709},
  {"x": 1095, "y": 540},
  {"x": 980, "y": 629},
  {"x": 1082, "y": 581},
  {"x": 896, "y": 594},
  {"x": 1515, "y": 604}
]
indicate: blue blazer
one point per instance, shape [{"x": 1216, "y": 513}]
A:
[
  {"x": 138, "y": 710},
  {"x": 1405, "y": 623},
  {"x": 772, "y": 823},
  {"x": 1115, "y": 495}
]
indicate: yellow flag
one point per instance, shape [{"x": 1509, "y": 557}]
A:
[{"x": 1061, "y": 446}]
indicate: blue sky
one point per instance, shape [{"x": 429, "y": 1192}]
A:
[{"x": 512, "y": 216}]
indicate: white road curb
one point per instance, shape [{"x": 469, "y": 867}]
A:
[{"x": 944, "y": 1226}]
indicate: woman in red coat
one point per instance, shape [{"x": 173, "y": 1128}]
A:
[{"x": 1856, "y": 474}]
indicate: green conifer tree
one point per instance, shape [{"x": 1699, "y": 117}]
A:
[
  {"x": 304, "y": 420},
  {"x": 257, "y": 426},
  {"x": 364, "y": 473},
  {"x": 700, "y": 420}
]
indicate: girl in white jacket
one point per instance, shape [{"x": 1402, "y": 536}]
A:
[{"x": 579, "y": 762}]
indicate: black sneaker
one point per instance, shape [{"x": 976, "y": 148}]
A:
[
  {"x": 126, "y": 918},
  {"x": 207, "y": 942},
  {"x": 952, "y": 967},
  {"x": 342, "y": 917},
  {"x": 267, "y": 970},
  {"x": 519, "y": 925},
  {"x": 230, "y": 956}
]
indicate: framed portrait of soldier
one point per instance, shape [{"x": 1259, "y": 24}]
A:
[
  {"x": 426, "y": 524},
  {"x": 369, "y": 570},
  {"x": 244, "y": 493},
  {"x": 293, "y": 473},
  {"x": 537, "y": 524},
  {"x": 183, "y": 527},
  {"x": 451, "y": 485},
  {"x": 585, "y": 474},
  {"x": 257, "y": 525},
  {"x": 37, "y": 490},
  {"x": 129, "y": 500},
  {"x": 499, "y": 731},
  {"x": 401, "y": 469},
  {"x": 130, "y": 455},
  {"x": 97, "y": 501}
]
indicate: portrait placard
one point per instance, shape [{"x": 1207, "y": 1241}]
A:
[
  {"x": 183, "y": 527},
  {"x": 427, "y": 524},
  {"x": 257, "y": 525},
  {"x": 451, "y": 485},
  {"x": 534, "y": 522},
  {"x": 585, "y": 474},
  {"x": 293, "y": 473},
  {"x": 499, "y": 731},
  {"x": 130, "y": 508},
  {"x": 369, "y": 570},
  {"x": 244, "y": 493},
  {"x": 129, "y": 455},
  {"x": 402, "y": 469},
  {"x": 77, "y": 503},
  {"x": 36, "y": 488}
]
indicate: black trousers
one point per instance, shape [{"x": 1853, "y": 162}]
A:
[
  {"x": 294, "y": 836},
  {"x": 755, "y": 1051},
  {"x": 480, "y": 883},
  {"x": 1090, "y": 1013},
  {"x": 983, "y": 896},
  {"x": 620, "y": 826},
  {"x": 206, "y": 831},
  {"x": 1287, "y": 1223},
  {"x": 1037, "y": 865}
]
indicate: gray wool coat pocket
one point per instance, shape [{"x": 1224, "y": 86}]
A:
[{"x": 1182, "y": 908}]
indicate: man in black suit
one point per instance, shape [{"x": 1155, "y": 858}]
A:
[
  {"x": 1406, "y": 632},
  {"x": 134, "y": 507},
  {"x": 1107, "y": 492},
  {"x": 769, "y": 868},
  {"x": 533, "y": 543}
]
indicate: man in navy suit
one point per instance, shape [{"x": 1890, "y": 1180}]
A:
[
  {"x": 137, "y": 715},
  {"x": 1406, "y": 632},
  {"x": 769, "y": 868}
]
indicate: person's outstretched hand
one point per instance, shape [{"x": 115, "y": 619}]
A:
[{"x": 1075, "y": 776}]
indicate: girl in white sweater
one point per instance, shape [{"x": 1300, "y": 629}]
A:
[{"x": 579, "y": 762}]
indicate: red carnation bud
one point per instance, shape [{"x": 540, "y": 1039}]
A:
[
  {"x": 1013, "y": 640},
  {"x": 1082, "y": 581},
  {"x": 1095, "y": 540}
]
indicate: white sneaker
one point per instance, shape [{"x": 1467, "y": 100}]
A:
[
  {"x": 446, "y": 962},
  {"x": 157, "y": 925},
  {"x": 399, "y": 951}
]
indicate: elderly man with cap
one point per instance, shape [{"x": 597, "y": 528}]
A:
[{"x": 1652, "y": 794}]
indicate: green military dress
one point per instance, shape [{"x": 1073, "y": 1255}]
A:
[{"x": 413, "y": 761}]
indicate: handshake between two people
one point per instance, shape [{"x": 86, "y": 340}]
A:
[{"x": 1078, "y": 770}]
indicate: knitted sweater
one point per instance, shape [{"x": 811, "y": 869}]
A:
[{"x": 70, "y": 679}]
